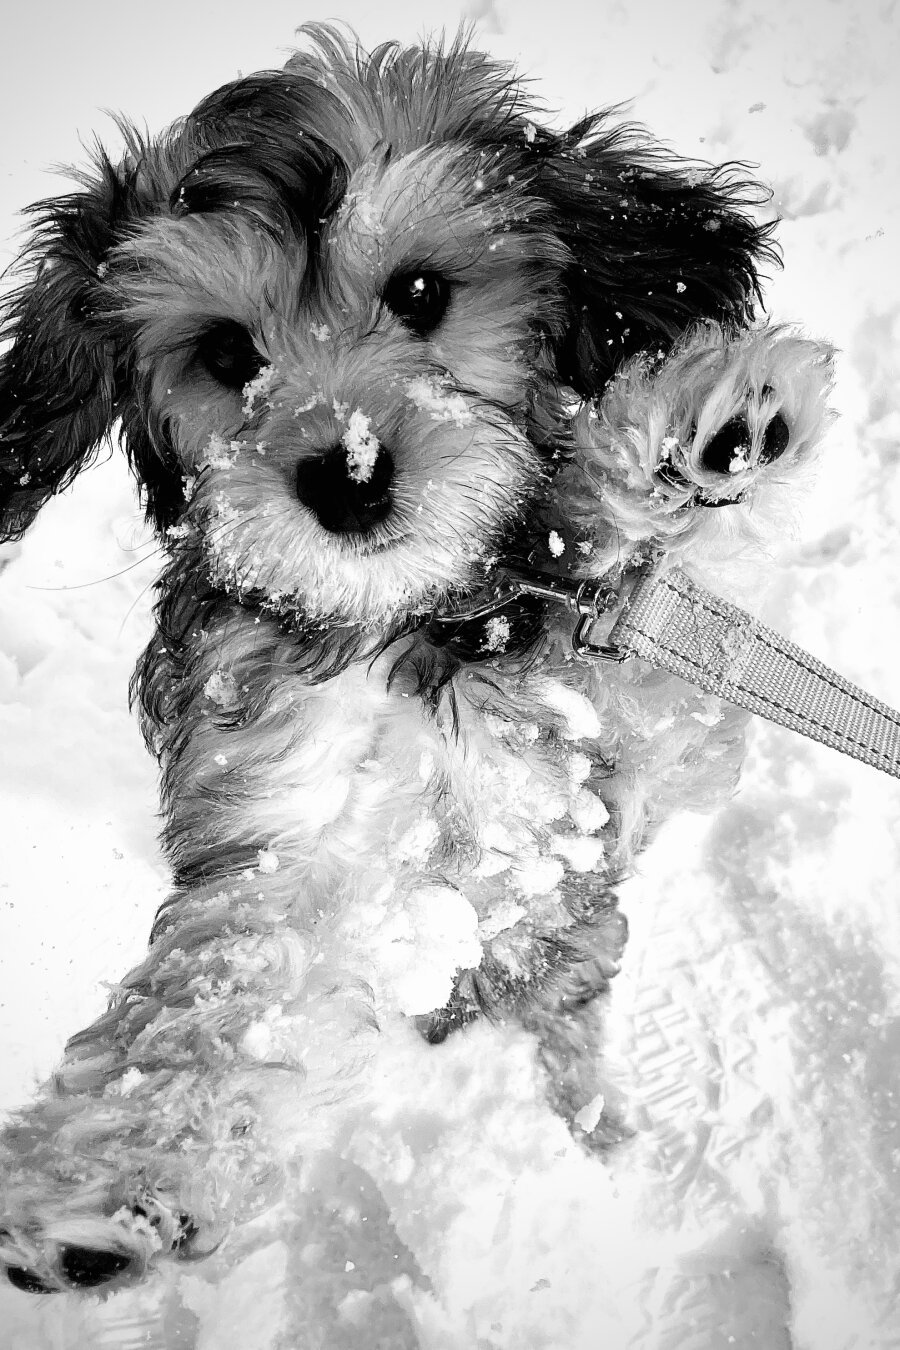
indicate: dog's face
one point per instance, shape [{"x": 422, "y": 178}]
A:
[
  {"x": 340, "y": 310},
  {"x": 351, "y": 403}
]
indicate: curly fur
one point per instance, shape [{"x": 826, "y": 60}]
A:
[{"x": 343, "y": 777}]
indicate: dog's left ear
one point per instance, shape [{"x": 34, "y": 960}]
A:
[
  {"x": 656, "y": 244},
  {"x": 58, "y": 376}
]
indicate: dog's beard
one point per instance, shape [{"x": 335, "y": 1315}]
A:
[{"x": 459, "y": 496}]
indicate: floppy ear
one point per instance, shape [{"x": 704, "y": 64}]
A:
[
  {"x": 58, "y": 376},
  {"x": 656, "y": 243}
]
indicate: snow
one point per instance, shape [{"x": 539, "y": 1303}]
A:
[
  {"x": 219, "y": 454},
  {"x": 764, "y": 958},
  {"x": 361, "y": 445},
  {"x": 556, "y": 544},
  {"x": 431, "y": 396},
  {"x": 257, "y": 389},
  {"x": 580, "y": 719},
  {"x": 221, "y": 689},
  {"x": 268, "y": 861},
  {"x": 496, "y": 634},
  {"x": 589, "y": 1116},
  {"x": 421, "y": 939}
]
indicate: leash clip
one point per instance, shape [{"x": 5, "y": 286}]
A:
[{"x": 589, "y": 599}]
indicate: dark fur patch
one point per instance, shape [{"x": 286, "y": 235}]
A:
[
  {"x": 279, "y": 147},
  {"x": 657, "y": 243},
  {"x": 60, "y": 379}
]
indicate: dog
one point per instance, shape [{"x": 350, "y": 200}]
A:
[{"x": 373, "y": 332}]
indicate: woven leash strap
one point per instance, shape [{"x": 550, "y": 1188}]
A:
[{"x": 678, "y": 626}]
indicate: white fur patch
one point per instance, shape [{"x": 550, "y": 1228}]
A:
[{"x": 643, "y": 446}]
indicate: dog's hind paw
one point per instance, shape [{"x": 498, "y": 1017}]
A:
[{"x": 87, "y": 1253}]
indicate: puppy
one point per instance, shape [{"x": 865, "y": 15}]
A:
[{"x": 372, "y": 333}]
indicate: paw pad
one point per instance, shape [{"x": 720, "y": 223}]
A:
[
  {"x": 28, "y": 1280},
  {"x": 127, "y": 1243},
  {"x": 729, "y": 451},
  {"x": 86, "y": 1267},
  {"x": 730, "y": 445},
  {"x": 776, "y": 439}
]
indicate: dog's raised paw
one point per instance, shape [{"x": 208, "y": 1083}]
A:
[{"x": 120, "y": 1248}]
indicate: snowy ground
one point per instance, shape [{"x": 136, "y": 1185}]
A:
[{"x": 763, "y": 976}]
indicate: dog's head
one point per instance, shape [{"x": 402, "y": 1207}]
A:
[{"x": 340, "y": 310}]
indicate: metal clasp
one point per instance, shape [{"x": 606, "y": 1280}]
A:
[
  {"x": 593, "y": 599},
  {"x": 589, "y": 599}
]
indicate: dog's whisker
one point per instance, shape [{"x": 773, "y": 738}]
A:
[
  {"x": 155, "y": 552},
  {"x": 138, "y": 599}
]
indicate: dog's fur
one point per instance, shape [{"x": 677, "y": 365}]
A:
[{"x": 340, "y": 766}]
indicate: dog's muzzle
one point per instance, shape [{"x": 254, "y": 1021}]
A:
[{"x": 343, "y": 502}]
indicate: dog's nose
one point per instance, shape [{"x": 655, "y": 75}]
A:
[{"x": 344, "y": 500}]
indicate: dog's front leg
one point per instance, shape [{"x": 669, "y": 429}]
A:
[{"x": 177, "y": 1111}]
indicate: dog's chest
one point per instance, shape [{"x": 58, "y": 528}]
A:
[{"x": 495, "y": 793}]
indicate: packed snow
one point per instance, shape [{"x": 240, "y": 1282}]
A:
[{"x": 754, "y": 1032}]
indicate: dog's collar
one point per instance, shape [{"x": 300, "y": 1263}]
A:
[{"x": 658, "y": 613}]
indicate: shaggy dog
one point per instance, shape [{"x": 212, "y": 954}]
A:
[{"x": 372, "y": 333}]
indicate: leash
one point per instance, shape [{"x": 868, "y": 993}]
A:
[{"x": 675, "y": 624}]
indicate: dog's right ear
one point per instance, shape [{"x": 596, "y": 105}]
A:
[
  {"x": 657, "y": 244},
  {"x": 58, "y": 376}
]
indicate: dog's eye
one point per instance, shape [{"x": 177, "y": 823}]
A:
[
  {"x": 227, "y": 353},
  {"x": 419, "y": 299}
]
